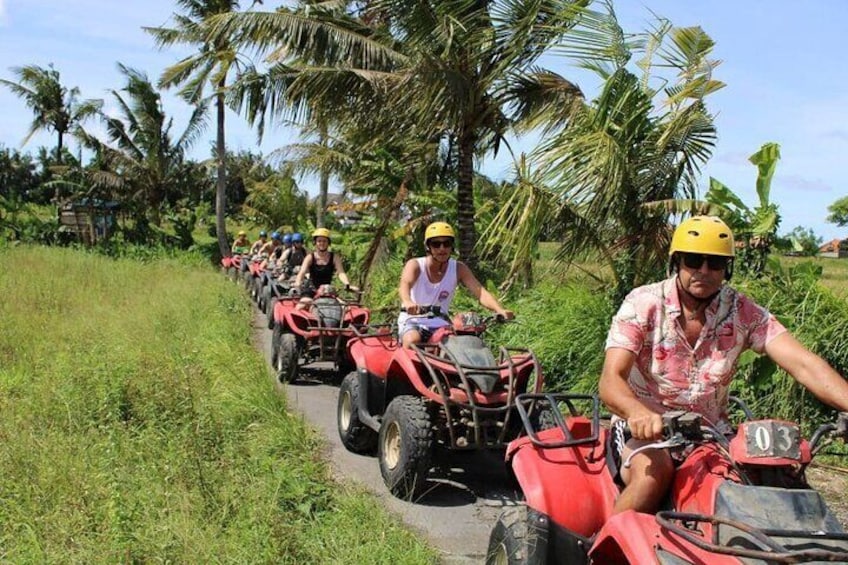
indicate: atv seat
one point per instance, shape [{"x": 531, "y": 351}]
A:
[{"x": 470, "y": 352}]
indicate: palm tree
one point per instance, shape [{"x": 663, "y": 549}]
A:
[
  {"x": 142, "y": 158},
  {"x": 55, "y": 107},
  {"x": 615, "y": 169},
  {"x": 211, "y": 64},
  {"x": 454, "y": 70}
]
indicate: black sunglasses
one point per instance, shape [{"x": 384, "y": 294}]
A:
[
  {"x": 714, "y": 262},
  {"x": 440, "y": 243}
]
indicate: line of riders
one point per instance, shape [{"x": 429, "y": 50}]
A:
[{"x": 678, "y": 471}]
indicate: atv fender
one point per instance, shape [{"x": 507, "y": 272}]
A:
[
  {"x": 405, "y": 372},
  {"x": 572, "y": 485},
  {"x": 628, "y": 537},
  {"x": 373, "y": 353}
]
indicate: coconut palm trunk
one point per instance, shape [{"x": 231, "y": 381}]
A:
[
  {"x": 221, "y": 184},
  {"x": 465, "y": 199}
]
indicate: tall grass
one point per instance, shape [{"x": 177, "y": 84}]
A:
[{"x": 138, "y": 424}]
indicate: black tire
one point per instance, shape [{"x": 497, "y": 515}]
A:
[
  {"x": 355, "y": 435},
  {"x": 270, "y": 312},
  {"x": 256, "y": 289},
  {"x": 233, "y": 274},
  {"x": 287, "y": 354},
  {"x": 405, "y": 446},
  {"x": 513, "y": 539},
  {"x": 266, "y": 298},
  {"x": 275, "y": 343}
]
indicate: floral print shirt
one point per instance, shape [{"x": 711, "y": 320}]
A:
[{"x": 670, "y": 374}]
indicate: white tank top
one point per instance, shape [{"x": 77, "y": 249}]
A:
[{"x": 427, "y": 293}]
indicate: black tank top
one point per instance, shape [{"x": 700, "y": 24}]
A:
[
  {"x": 321, "y": 274},
  {"x": 296, "y": 257}
]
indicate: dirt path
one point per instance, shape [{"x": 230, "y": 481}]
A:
[{"x": 467, "y": 495}]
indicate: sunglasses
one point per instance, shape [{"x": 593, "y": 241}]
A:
[
  {"x": 714, "y": 262},
  {"x": 437, "y": 243}
]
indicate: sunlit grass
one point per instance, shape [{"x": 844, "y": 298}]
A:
[{"x": 139, "y": 424}]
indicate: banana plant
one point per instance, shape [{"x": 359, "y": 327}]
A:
[{"x": 755, "y": 228}]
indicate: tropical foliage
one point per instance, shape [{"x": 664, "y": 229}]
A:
[
  {"x": 211, "y": 64},
  {"x": 142, "y": 158},
  {"x": 454, "y": 76},
  {"x": 755, "y": 228},
  {"x": 612, "y": 170},
  {"x": 55, "y": 107}
]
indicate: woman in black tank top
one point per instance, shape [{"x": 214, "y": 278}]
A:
[
  {"x": 322, "y": 263},
  {"x": 321, "y": 274}
]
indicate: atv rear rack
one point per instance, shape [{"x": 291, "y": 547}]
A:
[
  {"x": 775, "y": 552},
  {"x": 442, "y": 385}
]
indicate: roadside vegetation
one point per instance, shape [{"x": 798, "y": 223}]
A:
[{"x": 140, "y": 424}]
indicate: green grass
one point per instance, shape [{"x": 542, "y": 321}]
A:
[
  {"x": 138, "y": 423},
  {"x": 834, "y": 272}
]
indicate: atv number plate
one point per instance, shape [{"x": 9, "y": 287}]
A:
[{"x": 770, "y": 438}]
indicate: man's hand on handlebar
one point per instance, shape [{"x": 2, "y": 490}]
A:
[{"x": 645, "y": 425}]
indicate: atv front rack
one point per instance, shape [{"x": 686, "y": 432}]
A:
[
  {"x": 442, "y": 386},
  {"x": 773, "y": 552},
  {"x": 548, "y": 403},
  {"x": 333, "y": 351}
]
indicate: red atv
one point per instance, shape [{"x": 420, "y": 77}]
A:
[
  {"x": 232, "y": 266},
  {"x": 452, "y": 392},
  {"x": 319, "y": 333},
  {"x": 743, "y": 499}
]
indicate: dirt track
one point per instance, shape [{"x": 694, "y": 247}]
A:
[{"x": 467, "y": 495}]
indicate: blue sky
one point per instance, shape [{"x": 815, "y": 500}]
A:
[{"x": 781, "y": 60}]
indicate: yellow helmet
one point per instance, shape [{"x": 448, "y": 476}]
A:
[
  {"x": 321, "y": 232},
  {"x": 438, "y": 229},
  {"x": 708, "y": 235},
  {"x": 242, "y": 233}
]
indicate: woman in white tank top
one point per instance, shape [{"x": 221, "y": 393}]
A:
[{"x": 431, "y": 281}]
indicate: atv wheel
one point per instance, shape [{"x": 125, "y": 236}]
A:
[
  {"x": 287, "y": 368},
  {"x": 512, "y": 538},
  {"x": 270, "y": 312},
  {"x": 275, "y": 343},
  {"x": 405, "y": 446},
  {"x": 266, "y": 298},
  {"x": 355, "y": 435}
]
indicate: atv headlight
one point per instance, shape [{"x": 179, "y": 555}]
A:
[{"x": 666, "y": 558}]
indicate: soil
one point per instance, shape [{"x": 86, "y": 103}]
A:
[{"x": 832, "y": 483}]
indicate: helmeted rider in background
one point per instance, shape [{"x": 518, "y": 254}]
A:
[
  {"x": 431, "y": 281},
  {"x": 294, "y": 256},
  {"x": 241, "y": 245},
  {"x": 320, "y": 266},
  {"x": 257, "y": 245},
  {"x": 270, "y": 248},
  {"x": 674, "y": 345}
]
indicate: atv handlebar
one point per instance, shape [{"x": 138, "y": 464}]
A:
[
  {"x": 838, "y": 429},
  {"x": 680, "y": 428},
  {"x": 421, "y": 310}
]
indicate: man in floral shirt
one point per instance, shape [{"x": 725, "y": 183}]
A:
[{"x": 674, "y": 345}]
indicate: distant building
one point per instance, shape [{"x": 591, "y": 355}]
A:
[
  {"x": 837, "y": 248},
  {"x": 343, "y": 210},
  {"x": 89, "y": 219}
]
